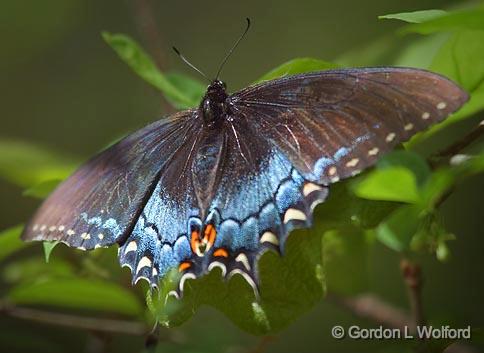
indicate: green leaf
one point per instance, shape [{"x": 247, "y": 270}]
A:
[
  {"x": 460, "y": 59},
  {"x": 397, "y": 177},
  {"x": 441, "y": 181},
  {"x": 33, "y": 269},
  {"x": 10, "y": 241},
  {"x": 398, "y": 229},
  {"x": 25, "y": 164},
  {"x": 343, "y": 208},
  {"x": 407, "y": 159},
  {"x": 142, "y": 64},
  {"x": 297, "y": 66},
  {"x": 48, "y": 247},
  {"x": 390, "y": 184},
  {"x": 43, "y": 189},
  {"x": 469, "y": 19},
  {"x": 301, "y": 271},
  {"x": 415, "y": 17},
  {"x": 420, "y": 52},
  {"x": 78, "y": 294}
]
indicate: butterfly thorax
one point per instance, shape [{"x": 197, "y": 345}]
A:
[
  {"x": 213, "y": 106},
  {"x": 207, "y": 164}
]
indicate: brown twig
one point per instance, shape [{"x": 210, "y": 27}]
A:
[
  {"x": 457, "y": 146},
  {"x": 74, "y": 321},
  {"x": 412, "y": 275}
]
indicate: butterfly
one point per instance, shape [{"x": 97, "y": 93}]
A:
[{"x": 218, "y": 185}]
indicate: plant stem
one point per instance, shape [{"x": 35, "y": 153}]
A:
[
  {"x": 73, "y": 321},
  {"x": 458, "y": 146},
  {"x": 412, "y": 275}
]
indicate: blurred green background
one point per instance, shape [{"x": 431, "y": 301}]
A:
[{"x": 63, "y": 88}]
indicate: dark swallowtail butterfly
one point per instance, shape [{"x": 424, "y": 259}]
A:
[{"x": 217, "y": 185}]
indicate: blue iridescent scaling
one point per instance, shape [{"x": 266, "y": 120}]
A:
[{"x": 218, "y": 185}]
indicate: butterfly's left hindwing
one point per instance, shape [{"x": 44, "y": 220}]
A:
[{"x": 261, "y": 197}]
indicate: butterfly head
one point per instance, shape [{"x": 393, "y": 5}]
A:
[
  {"x": 217, "y": 90},
  {"x": 214, "y": 106}
]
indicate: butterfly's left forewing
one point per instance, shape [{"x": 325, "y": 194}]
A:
[{"x": 333, "y": 124}]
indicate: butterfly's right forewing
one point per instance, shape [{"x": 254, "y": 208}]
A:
[{"x": 101, "y": 202}]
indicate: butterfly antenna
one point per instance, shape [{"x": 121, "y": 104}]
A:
[
  {"x": 190, "y": 64},
  {"x": 233, "y": 48}
]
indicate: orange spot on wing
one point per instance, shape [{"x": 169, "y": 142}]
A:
[
  {"x": 221, "y": 253},
  {"x": 210, "y": 233},
  {"x": 184, "y": 266},
  {"x": 194, "y": 240}
]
